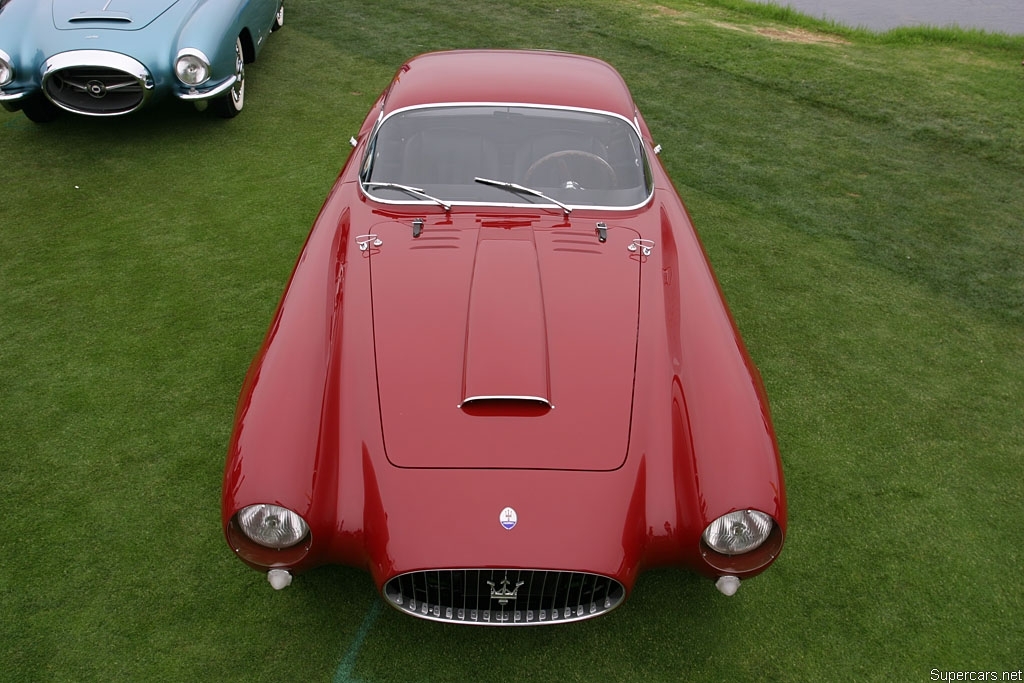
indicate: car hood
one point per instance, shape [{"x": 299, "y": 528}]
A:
[
  {"x": 504, "y": 344},
  {"x": 126, "y": 15}
]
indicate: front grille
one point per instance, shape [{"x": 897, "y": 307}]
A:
[
  {"x": 503, "y": 597},
  {"x": 95, "y": 90}
]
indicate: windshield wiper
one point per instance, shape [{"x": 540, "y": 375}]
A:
[
  {"x": 413, "y": 191},
  {"x": 514, "y": 187}
]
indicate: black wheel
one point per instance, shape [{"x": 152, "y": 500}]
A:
[
  {"x": 39, "y": 109},
  {"x": 230, "y": 104},
  {"x": 278, "y": 18}
]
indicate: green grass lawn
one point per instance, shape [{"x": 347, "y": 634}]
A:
[{"x": 862, "y": 200}]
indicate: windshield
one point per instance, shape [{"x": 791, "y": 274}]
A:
[{"x": 572, "y": 157}]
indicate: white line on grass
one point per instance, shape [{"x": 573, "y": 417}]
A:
[{"x": 348, "y": 662}]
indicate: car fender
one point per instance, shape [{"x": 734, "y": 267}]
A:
[
  {"x": 23, "y": 46},
  {"x": 214, "y": 25},
  {"x": 274, "y": 452},
  {"x": 700, "y": 393}
]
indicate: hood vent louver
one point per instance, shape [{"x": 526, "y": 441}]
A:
[
  {"x": 119, "y": 17},
  {"x": 520, "y": 406},
  {"x": 477, "y": 400}
]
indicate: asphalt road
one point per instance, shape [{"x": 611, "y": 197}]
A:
[{"x": 1002, "y": 16}]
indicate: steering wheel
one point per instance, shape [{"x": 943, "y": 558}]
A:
[{"x": 568, "y": 167}]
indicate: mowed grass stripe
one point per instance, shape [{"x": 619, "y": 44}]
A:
[{"x": 857, "y": 194}]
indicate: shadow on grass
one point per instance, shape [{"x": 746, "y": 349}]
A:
[
  {"x": 168, "y": 120},
  {"x": 666, "y": 630}
]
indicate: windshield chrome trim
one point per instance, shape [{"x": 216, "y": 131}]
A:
[
  {"x": 416, "y": 191},
  {"x": 509, "y": 205},
  {"x": 524, "y": 105},
  {"x": 519, "y": 205}
]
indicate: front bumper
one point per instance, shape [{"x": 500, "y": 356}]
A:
[
  {"x": 198, "y": 95},
  {"x": 12, "y": 96}
]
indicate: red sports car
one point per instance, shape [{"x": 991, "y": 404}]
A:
[{"x": 502, "y": 377}]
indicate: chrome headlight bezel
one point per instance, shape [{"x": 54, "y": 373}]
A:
[
  {"x": 6, "y": 69},
  {"x": 272, "y": 526},
  {"x": 738, "y": 532},
  {"x": 192, "y": 67}
]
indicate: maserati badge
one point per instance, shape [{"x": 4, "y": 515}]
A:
[{"x": 508, "y": 518}]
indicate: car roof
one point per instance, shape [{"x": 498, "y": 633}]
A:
[{"x": 510, "y": 76}]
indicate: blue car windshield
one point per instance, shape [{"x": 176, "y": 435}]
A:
[{"x": 440, "y": 155}]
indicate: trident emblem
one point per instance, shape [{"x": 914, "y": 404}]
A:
[{"x": 504, "y": 594}]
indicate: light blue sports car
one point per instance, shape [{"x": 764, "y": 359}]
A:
[{"x": 111, "y": 57}]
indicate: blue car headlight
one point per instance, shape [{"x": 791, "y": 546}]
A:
[
  {"x": 192, "y": 67},
  {"x": 272, "y": 526},
  {"x": 6, "y": 69},
  {"x": 738, "y": 532}
]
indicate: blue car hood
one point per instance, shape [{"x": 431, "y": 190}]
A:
[{"x": 124, "y": 15}]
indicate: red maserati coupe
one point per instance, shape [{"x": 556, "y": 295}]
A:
[{"x": 502, "y": 377}]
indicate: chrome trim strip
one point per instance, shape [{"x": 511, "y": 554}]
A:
[
  {"x": 11, "y": 97},
  {"x": 193, "y": 94},
  {"x": 525, "y": 105},
  {"x": 411, "y": 190},
  {"x": 505, "y": 205},
  {"x": 100, "y": 58}
]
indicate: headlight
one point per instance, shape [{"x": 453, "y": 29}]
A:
[
  {"x": 272, "y": 525},
  {"x": 192, "y": 67},
  {"x": 738, "y": 532},
  {"x": 6, "y": 69}
]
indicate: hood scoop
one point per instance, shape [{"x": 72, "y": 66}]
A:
[
  {"x": 102, "y": 15},
  {"x": 506, "y": 357},
  {"x": 504, "y": 347},
  {"x": 121, "y": 15}
]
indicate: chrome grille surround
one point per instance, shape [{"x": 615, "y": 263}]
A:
[
  {"x": 503, "y": 597},
  {"x": 96, "y": 82}
]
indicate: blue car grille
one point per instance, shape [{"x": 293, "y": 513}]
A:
[
  {"x": 503, "y": 597},
  {"x": 98, "y": 91}
]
